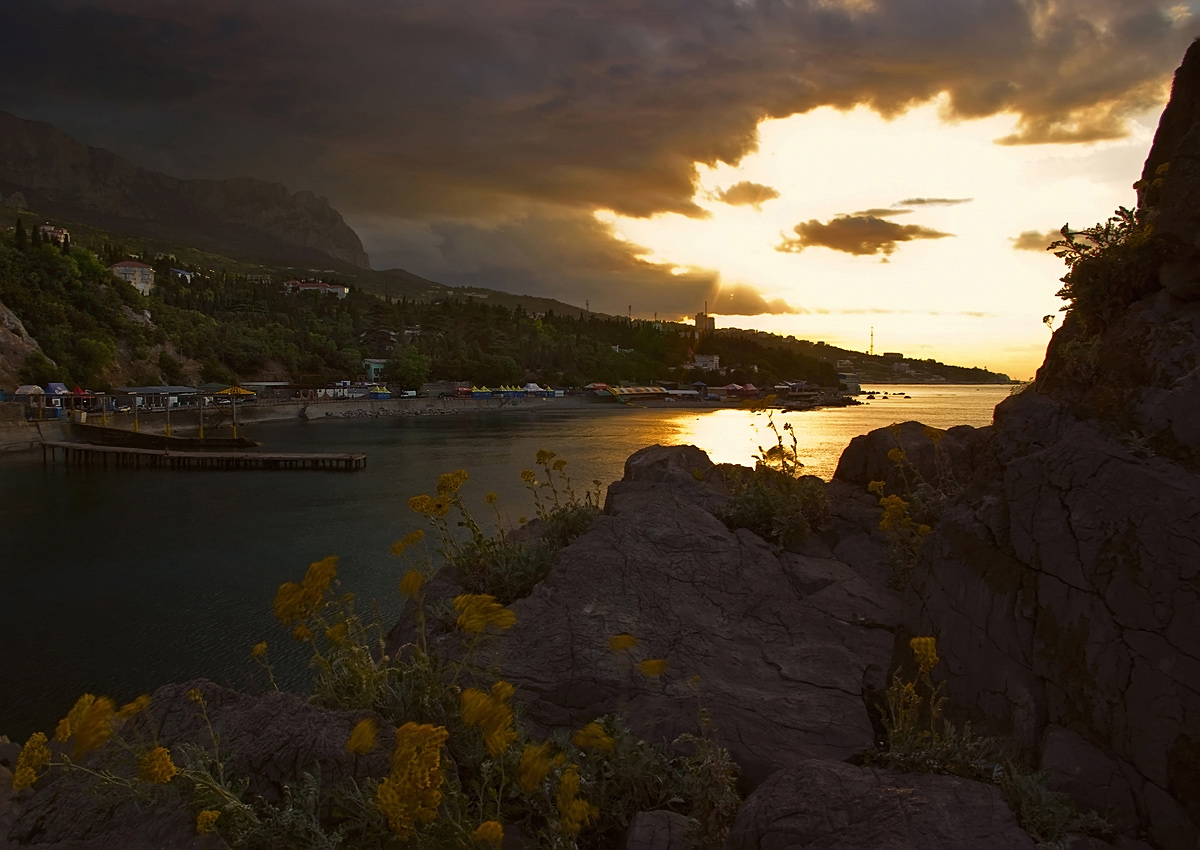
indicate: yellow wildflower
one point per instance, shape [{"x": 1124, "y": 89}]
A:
[
  {"x": 410, "y": 539},
  {"x": 439, "y": 506},
  {"x": 302, "y": 632},
  {"x": 876, "y": 487},
  {"x": 62, "y": 732},
  {"x": 544, "y": 456},
  {"x": 592, "y": 737},
  {"x": 319, "y": 576},
  {"x": 33, "y": 760},
  {"x": 528, "y": 476},
  {"x": 420, "y": 504},
  {"x": 74, "y": 716},
  {"x": 259, "y": 649},
  {"x": 924, "y": 530},
  {"x": 23, "y": 778},
  {"x": 451, "y": 481},
  {"x": 291, "y": 603},
  {"x": 895, "y": 512},
  {"x": 411, "y": 793},
  {"x": 559, "y": 465},
  {"x": 195, "y": 696},
  {"x": 622, "y": 642},
  {"x": 652, "y": 666},
  {"x": 491, "y": 498},
  {"x": 934, "y": 434},
  {"x": 206, "y": 821},
  {"x": 925, "y": 650},
  {"x": 574, "y": 812},
  {"x": 896, "y": 456},
  {"x": 362, "y": 737},
  {"x": 93, "y": 727},
  {"x": 492, "y": 714},
  {"x": 336, "y": 634},
  {"x": 490, "y": 833},
  {"x": 477, "y": 611},
  {"x": 131, "y": 709},
  {"x": 156, "y": 766},
  {"x": 535, "y": 764},
  {"x": 410, "y": 585}
]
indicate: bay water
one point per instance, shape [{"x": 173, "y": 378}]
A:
[{"x": 114, "y": 581}]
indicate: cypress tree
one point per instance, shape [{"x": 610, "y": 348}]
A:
[
  {"x": 66, "y": 244},
  {"x": 35, "y": 237},
  {"x": 19, "y": 236}
]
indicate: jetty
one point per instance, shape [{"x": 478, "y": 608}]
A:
[{"x": 84, "y": 454}]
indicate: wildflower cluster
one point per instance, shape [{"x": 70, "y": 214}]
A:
[
  {"x": 489, "y": 834},
  {"x": 362, "y": 737},
  {"x": 478, "y": 611},
  {"x": 411, "y": 793},
  {"x": 33, "y": 761},
  {"x": 575, "y": 813},
  {"x": 534, "y": 765},
  {"x": 156, "y": 766},
  {"x": 776, "y": 500},
  {"x": 492, "y": 714},
  {"x": 298, "y": 602},
  {"x": 592, "y": 737},
  {"x": 921, "y": 740}
]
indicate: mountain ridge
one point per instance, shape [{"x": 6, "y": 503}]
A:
[{"x": 67, "y": 178}]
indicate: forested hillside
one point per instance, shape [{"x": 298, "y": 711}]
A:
[{"x": 96, "y": 330}]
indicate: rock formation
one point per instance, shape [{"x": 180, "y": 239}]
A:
[
  {"x": 1064, "y": 582},
  {"x": 245, "y": 216},
  {"x": 15, "y": 345}
]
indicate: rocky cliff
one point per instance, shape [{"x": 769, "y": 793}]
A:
[
  {"x": 63, "y": 177},
  {"x": 1063, "y": 579}
]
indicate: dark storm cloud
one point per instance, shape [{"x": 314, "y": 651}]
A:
[
  {"x": 556, "y": 253},
  {"x": 1035, "y": 240},
  {"x": 436, "y": 110},
  {"x": 855, "y": 234},
  {"x": 745, "y": 301},
  {"x": 932, "y": 202},
  {"x": 746, "y": 193}
]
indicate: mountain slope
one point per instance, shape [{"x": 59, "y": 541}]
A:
[{"x": 66, "y": 178}]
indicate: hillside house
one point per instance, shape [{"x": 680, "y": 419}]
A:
[
  {"x": 140, "y": 275},
  {"x": 338, "y": 289}
]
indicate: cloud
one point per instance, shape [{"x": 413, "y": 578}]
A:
[
  {"x": 746, "y": 301},
  {"x": 855, "y": 234},
  {"x": 556, "y": 253},
  {"x": 880, "y": 212},
  {"x": 932, "y": 202},
  {"x": 1034, "y": 240},
  {"x": 747, "y": 193},
  {"x": 455, "y": 121}
]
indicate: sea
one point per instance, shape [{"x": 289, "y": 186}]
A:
[{"x": 115, "y": 581}]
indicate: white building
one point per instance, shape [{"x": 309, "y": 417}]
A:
[
  {"x": 708, "y": 362},
  {"x": 140, "y": 275}
]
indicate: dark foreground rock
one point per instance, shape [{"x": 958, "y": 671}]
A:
[
  {"x": 781, "y": 648},
  {"x": 824, "y": 804}
]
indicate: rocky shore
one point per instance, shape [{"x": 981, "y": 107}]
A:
[{"x": 1054, "y": 556}]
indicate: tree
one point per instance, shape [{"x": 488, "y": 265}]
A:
[
  {"x": 406, "y": 368},
  {"x": 66, "y": 244},
  {"x": 19, "y": 239}
]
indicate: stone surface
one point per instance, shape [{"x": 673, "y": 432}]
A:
[
  {"x": 835, "y": 805},
  {"x": 785, "y": 644},
  {"x": 659, "y": 831},
  {"x": 1091, "y": 777}
]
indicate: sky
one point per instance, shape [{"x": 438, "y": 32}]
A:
[{"x": 819, "y": 168}]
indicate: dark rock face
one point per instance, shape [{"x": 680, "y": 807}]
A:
[
  {"x": 785, "y": 644},
  {"x": 830, "y": 804},
  {"x": 97, "y": 187},
  {"x": 1063, "y": 583}
]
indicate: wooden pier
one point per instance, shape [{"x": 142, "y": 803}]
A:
[{"x": 83, "y": 454}]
